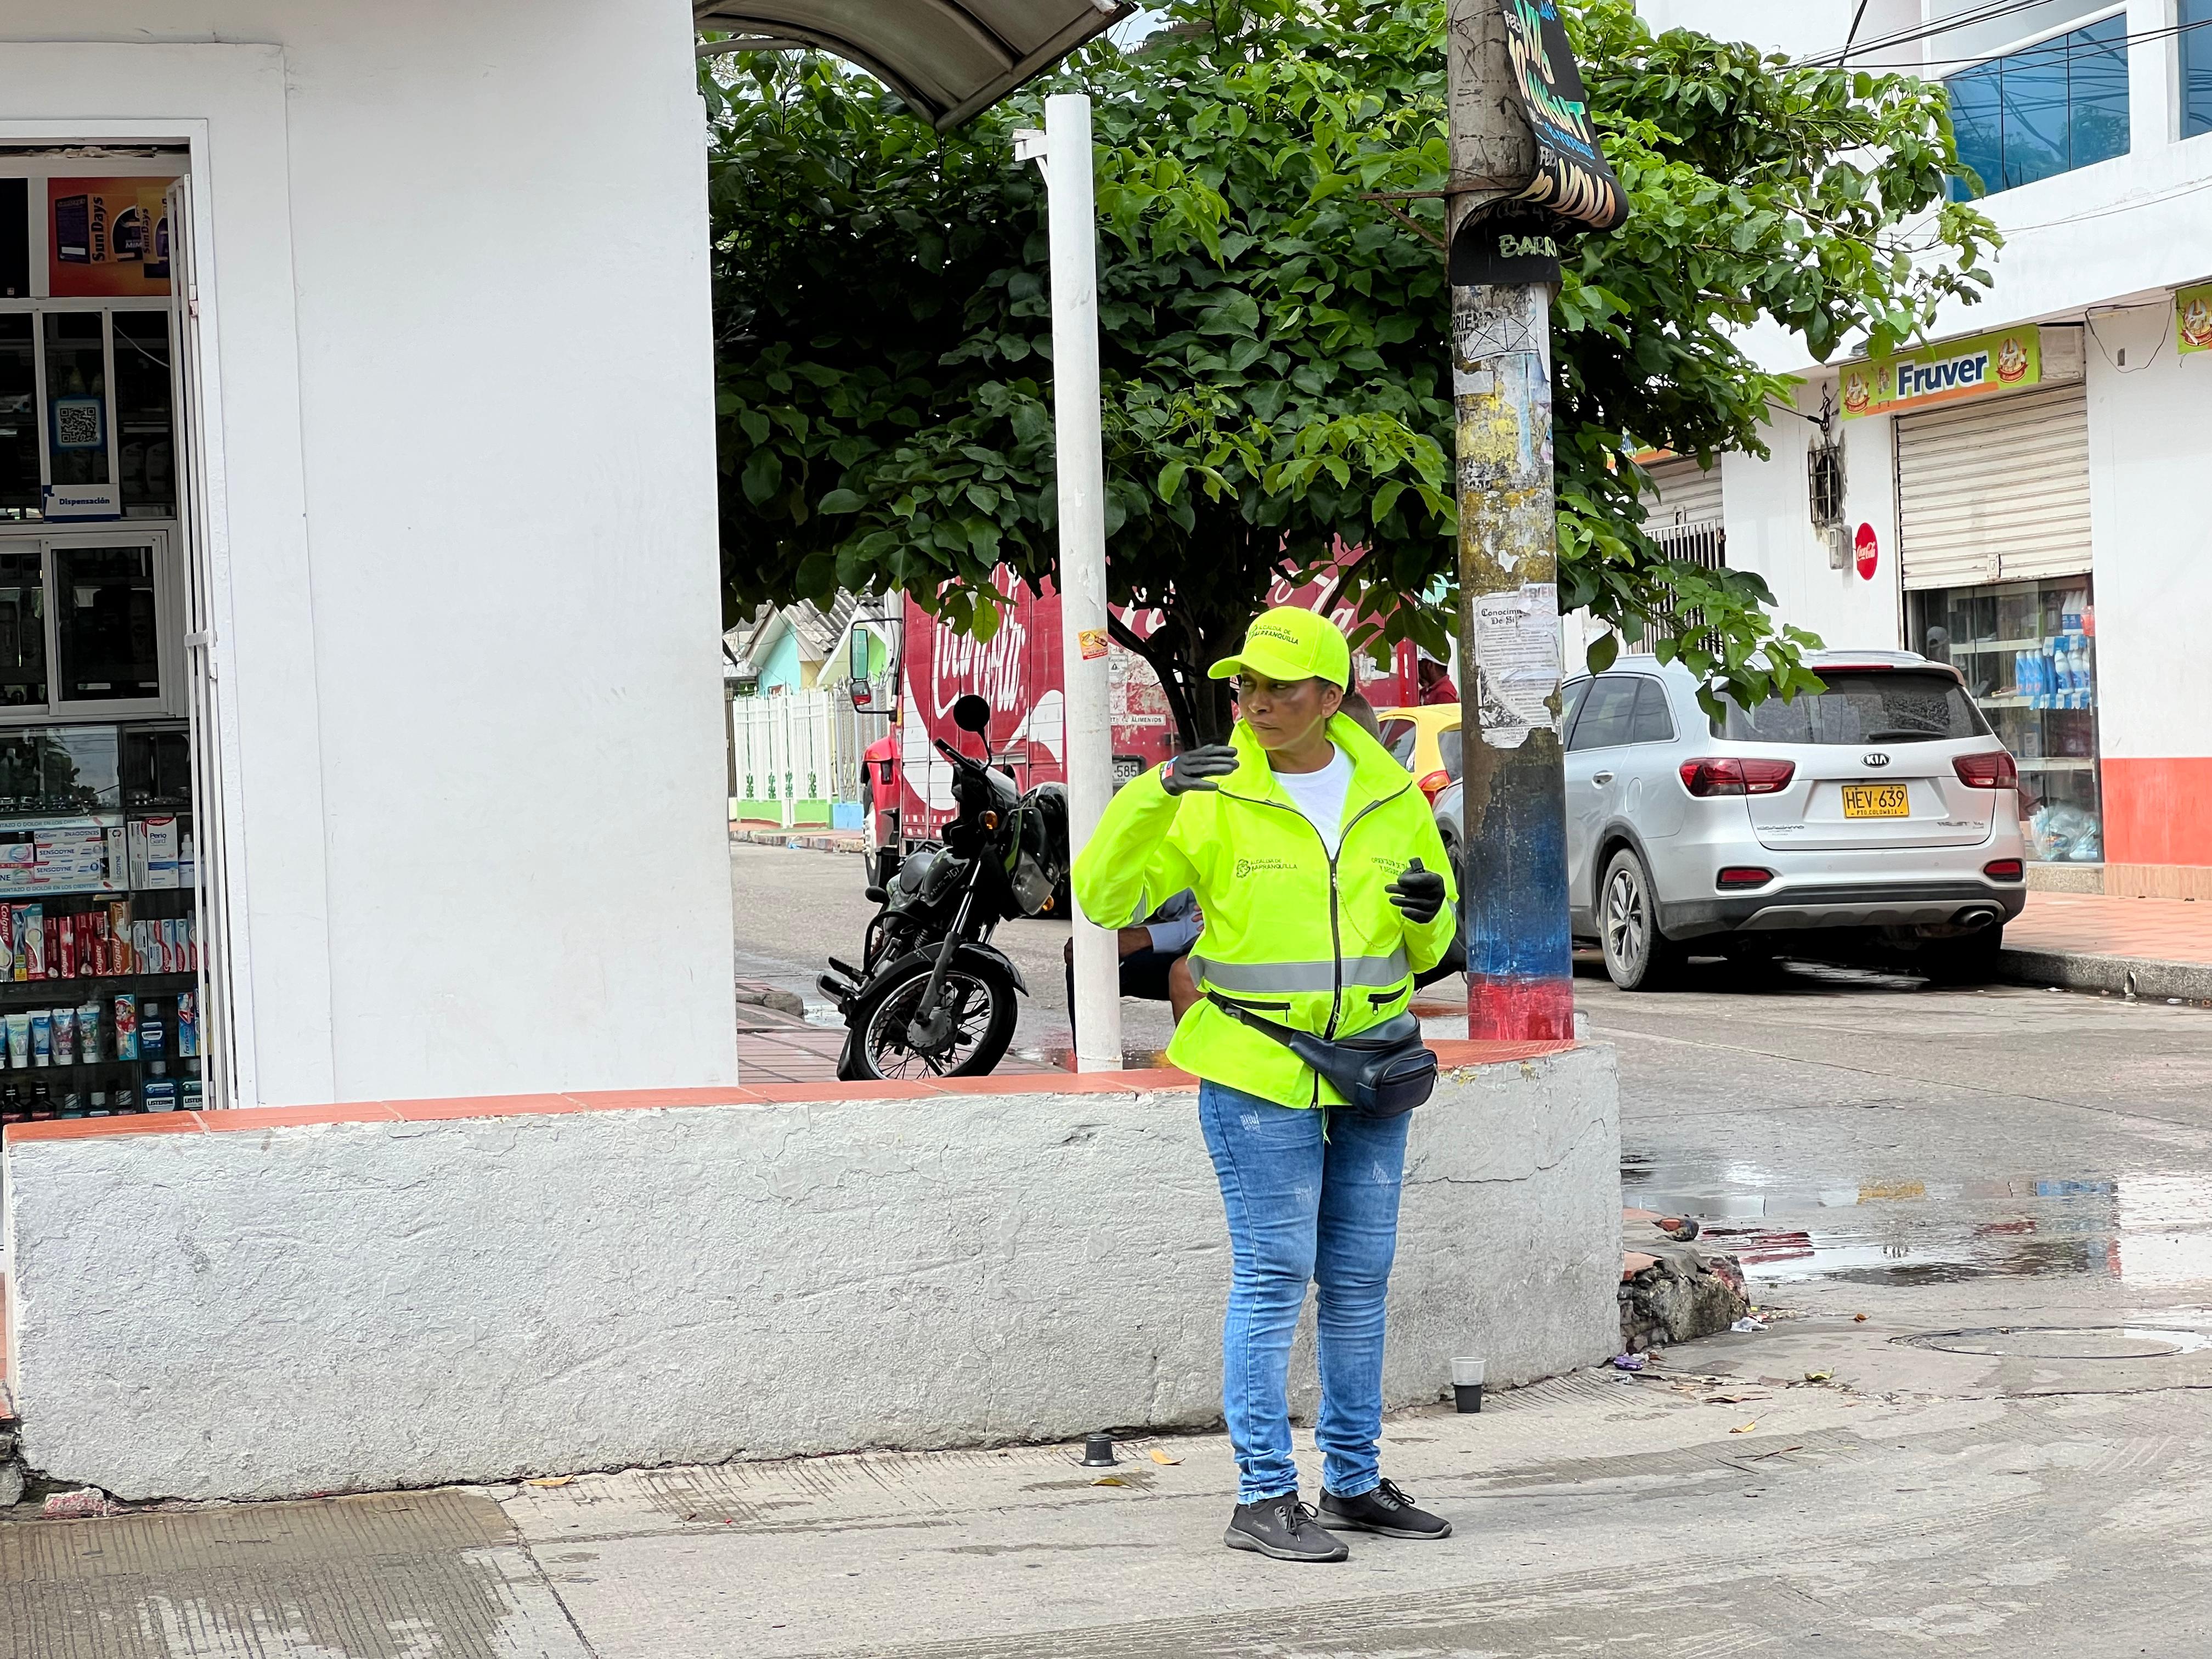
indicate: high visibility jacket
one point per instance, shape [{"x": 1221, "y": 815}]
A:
[{"x": 1300, "y": 938}]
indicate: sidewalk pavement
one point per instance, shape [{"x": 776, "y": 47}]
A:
[
  {"x": 2149, "y": 947},
  {"x": 811, "y": 837},
  {"x": 1826, "y": 1487},
  {"x": 776, "y": 1045}
]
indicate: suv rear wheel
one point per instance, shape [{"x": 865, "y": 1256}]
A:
[
  {"x": 1972, "y": 960},
  {"x": 1637, "y": 955}
]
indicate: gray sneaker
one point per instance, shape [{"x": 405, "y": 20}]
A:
[
  {"x": 1282, "y": 1527},
  {"x": 1387, "y": 1512}
]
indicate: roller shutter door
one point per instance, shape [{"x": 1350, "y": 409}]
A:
[
  {"x": 1994, "y": 491},
  {"x": 1688, "y": 494}
]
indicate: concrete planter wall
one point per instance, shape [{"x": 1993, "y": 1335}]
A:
[{"x": 266, "y": 1303}]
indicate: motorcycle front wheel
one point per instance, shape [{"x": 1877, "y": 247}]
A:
[{"x": 980, "y": 999}]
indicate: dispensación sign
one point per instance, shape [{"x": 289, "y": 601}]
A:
[{"x": 1945, "y": 374}]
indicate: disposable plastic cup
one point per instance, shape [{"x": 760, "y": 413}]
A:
[{"x": 1466, "y": 1384}]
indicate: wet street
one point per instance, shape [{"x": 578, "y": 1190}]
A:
[{"x": 1851, "y": 1134}]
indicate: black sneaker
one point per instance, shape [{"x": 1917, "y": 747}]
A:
[
  {"x": 1284, "y": 1528},
  {"x": 1386, "y": 1511}
]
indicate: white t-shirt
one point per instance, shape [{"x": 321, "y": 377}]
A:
[{"x": 1320, "y": 795}]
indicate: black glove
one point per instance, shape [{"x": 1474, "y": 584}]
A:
[
  {"x": 1196, "y": 768},
  {"x": 1419, "y": 894}
]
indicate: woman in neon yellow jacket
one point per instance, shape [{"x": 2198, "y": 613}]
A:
[{"x": 1321, "y": 874}]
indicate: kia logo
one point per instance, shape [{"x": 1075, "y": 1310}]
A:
[{"x": 1873, "y": 760}]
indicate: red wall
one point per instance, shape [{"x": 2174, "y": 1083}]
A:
[{"x": 2158, "y": 811}]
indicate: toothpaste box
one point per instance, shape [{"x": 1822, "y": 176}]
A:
[{"x": 162, "y": 853}]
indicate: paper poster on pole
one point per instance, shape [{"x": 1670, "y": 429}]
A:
[{"x": 1518, "y": 664}]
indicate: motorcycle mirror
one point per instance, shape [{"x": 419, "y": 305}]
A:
[{"x": 971, "y": 713}]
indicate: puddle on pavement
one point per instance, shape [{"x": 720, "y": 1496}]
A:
[{"x": 2147, "y": 1232}]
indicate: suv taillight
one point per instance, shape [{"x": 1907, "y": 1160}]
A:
[
  {"x": 1727, "y": 775},
  {"x": 1991, "y": 769}
]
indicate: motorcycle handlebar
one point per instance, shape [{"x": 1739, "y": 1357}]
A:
[{"x": 955, "y": 757}]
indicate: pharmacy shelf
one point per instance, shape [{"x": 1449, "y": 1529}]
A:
[{"x": 2028, "y": 763}]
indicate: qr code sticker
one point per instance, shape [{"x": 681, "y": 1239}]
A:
[{"x": 76, "y": 426}]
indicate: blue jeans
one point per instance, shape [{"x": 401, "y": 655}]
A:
[{"x": 1304, "y": 1210}]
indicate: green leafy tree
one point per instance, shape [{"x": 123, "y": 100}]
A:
[{"x": 1273, "y": 321}]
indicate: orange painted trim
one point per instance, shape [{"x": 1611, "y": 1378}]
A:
[
  {"x": 2158, "y": 811},
  {"x": 1452, "y": 1055}
]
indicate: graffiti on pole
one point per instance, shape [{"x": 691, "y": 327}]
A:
[{"x": 1573, "y": 179}]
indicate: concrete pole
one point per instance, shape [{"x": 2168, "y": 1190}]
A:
[
  {"x": 1087, "y": 735},
  {"x": 1520, "y": 975}
]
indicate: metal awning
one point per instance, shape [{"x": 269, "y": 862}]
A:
[{"x": 948, "y": 58}]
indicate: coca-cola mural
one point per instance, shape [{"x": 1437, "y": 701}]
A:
[{"x": 1018, "y": 671}]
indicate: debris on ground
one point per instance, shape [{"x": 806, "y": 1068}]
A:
[
  {"x": 1748, "y": 1324},
  {"x": 1671, "y": 1290},
  {"x": 86, "y": 1503},
  {"x": 1628, "y": 1362}
]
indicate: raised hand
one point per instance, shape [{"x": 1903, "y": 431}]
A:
[
  {"x": 1419, "y": 894},
  {"x": 1197, "y": 768}
]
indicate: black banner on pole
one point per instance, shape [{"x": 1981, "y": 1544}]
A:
[
  {"x": 1509, "y": 244},
  {"x": 1573, "y": 180}
]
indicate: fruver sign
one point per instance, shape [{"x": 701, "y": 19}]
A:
[
  {"x": 2004, "y": 361},
  {"x": 2192, "y": 318},
  {"x": 1573, "y": 184}
]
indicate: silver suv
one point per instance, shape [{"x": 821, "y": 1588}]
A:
[{"x": 1883, "y": 806}]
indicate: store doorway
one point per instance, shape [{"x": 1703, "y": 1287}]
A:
[{"x": 113, "y": 980}]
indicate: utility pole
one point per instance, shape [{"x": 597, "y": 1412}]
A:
[
  {"x": 1063, "y": 150},
  {"x": 1519, "y": 133}
]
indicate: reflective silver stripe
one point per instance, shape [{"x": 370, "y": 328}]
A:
[{"x": 1378, "y": 972}]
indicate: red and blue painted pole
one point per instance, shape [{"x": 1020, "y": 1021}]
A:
[{"x": 1520, "y": 971}]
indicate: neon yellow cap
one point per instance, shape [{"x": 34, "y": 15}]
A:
[{"x": 1289, "y": 644}]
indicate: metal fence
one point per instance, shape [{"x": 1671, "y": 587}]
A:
[{"x": 799, "y": 746}]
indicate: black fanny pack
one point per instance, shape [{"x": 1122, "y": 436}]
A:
[{"x": 1382, "y": 1071}]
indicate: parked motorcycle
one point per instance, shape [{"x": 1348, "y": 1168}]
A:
[{"x": 932, "y": 996}]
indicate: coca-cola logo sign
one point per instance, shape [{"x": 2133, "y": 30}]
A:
[{"x": 993, "y": 669}]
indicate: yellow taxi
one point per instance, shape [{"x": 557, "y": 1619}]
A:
[{"x": 1424, "y": 740}]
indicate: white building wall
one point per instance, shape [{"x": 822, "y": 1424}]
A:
[
  {"x": 460, "y": 319},
  {"x": 2150, "y": 452},
  {"x": 1770, "y": 527}
]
